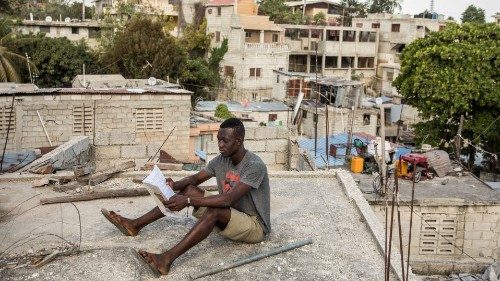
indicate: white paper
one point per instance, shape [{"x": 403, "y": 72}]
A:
[{"x": 156, "y": 185}]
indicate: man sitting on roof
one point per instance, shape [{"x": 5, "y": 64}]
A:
[{"x": 240, "y": 211}]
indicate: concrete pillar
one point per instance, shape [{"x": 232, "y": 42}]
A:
[{"x": 261, "y": 38}]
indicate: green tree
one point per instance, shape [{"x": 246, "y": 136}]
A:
[
  {"x": 352, "y": 9},
  {"x": 319, "y": 18},
  {"x": 221, "y": 111},
  {"x": 454, "y": 73},
  {"x": 279, "y": 12},
  {"x": 384, "y": 6},
  {"x": 11, "y": 62},
  {"x": 57, "y": 60},
  {"x": 144, "y": 49},
  {"x": 473, "y": 14}
]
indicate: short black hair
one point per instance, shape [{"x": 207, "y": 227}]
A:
[{"x": 236, "y": 124}]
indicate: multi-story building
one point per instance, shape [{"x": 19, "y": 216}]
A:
[
  {"x": 396, "y": 31},
  {"x": 332, "y": 50},
  {"x": 331, "y": 9},
  {"x": 255, "y": 48},
  {"x": 497, "y": 18},
  {"x": 73, "y": 30}
]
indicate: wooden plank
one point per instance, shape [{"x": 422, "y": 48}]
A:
[
  {"x": 162, "y": 166},
  {"x": 115, "y": 193},
  {"x": 83, "y": 170},
  {"x": 106, "y": 174}
]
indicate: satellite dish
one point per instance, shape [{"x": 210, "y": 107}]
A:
[
  {"x": 48, "y": 18},
  {"x": 379, "y": 101},
  {"x": 151, "y": 81},
  {"x": 67, "y": 19}
]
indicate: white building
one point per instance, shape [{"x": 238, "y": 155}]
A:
[
  {"x": 396, "y": 31},
  {"x": 255, "y": 48},
  {"x": 73, "y": 30}
]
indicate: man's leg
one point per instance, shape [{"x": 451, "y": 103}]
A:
[
  {"x": 212, "y": 217},
  {"x": 133, "y": 226}
]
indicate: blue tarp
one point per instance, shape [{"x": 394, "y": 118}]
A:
[{"x": 202, "y": 154}]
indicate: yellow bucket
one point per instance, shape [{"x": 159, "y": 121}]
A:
[
  {"x": 357, "y": 164},
  {"x": 401, "y": 168}
]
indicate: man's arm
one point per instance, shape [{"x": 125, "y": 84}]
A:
[
  {"x": 179, "y": 202},
  {"x": 195, "y": 180}
]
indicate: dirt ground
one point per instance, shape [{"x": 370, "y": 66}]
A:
[{"x": 302, "y": 208}]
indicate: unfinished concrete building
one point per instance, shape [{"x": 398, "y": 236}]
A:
[
  {"x": 122, "y": 123},
  {"x": 255, "y": 48},
  {"x": 396, "y": 31},
  {"x": 331, "y": 9}
]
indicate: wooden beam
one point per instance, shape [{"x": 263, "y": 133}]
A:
[
  {"x": 106, "y": 174},
  {"x": 126, "y": 192}
]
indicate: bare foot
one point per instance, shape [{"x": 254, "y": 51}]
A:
[
  {"x": 125, "y": 225},
  {"x": 157, "y": 261}
]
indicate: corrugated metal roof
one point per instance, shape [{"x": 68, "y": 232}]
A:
[
  {"x": 83, "y": 91},
  {"x": 339, "y": 140},
  {"x": 235, "y": 106}
]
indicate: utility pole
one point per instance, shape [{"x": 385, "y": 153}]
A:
[
  {"x": 29, "y": 67},
  {"x": 349, "y": 139},
  {"x": 458, "y": 140},
  {"x": 83, "y": 10}
]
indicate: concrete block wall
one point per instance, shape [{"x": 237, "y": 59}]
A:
[
  {"x": 476, "y": 238},
  {"x": 270, "y": 143},
  {"x": 114, "y": 132},
  {"x": 339, "y": 120}
]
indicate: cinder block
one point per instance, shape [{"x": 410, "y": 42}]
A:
[
  {"x": 276, "y": 145},
  {"x": 280, "y": 157},
  {"x": 121, "y": 138},
  {"x": 488, "y": 235},
  {"x": 101, "y": 138},
  {"x": 267, "y": 157},
  {"x": 107, "y": 152},
  {"x": 265, "y": 133},
  {"x": 282, "y": 132},
  {"x": 275, "y": 167},
  {"x": 482, "y": 226},
  {"x": 133, "y": 151},
  {"x": 212, "y": 147},
  {"x": 153, "y": 148},
  {"x": 249, "y": 133},
  {"x": 256, "y": 145},
  {"x": 472, "y": 235}
]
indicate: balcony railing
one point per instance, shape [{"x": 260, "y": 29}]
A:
[{"x": 266, "y": 46}]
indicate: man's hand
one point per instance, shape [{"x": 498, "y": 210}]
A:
[
  {"x": 170, "y": 182},
  {"x": 177, "y": 202}
]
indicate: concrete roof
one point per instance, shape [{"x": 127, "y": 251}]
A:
[
  {"x": 83, "y": 91},
  {"x": 300, "y": 3},
  {"x": 303, "y": 205},
  {"x": 219, "y": 3},
  {"x": 234, "y": 106},
  {"x": 61, "y": 23},
  {"x": 258, "y": 23}
]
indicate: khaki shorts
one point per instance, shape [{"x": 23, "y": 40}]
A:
[{"x": 241, "y": 227}]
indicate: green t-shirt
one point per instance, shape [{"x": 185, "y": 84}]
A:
[{"x": 251, "y": 171}]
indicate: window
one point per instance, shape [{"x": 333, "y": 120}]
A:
[
  {"x": 83, "y": 120},
  {"x": 275, "y": 38},
  {"x": 366, "y": 36},
  {"x": 255, "y": 72},
  {"x": 333, "y": 35},
  {"x": 291, "y": 33},
  {"x": 375, "y": 25},
  {"x": 277, "y": 78},
  {"x": 272, "y": 117},
  {"x": 254, "y": 96},
  {"x": 304, "y": 114},
  {"x": 75, "y": 30},
  {"x": 366, "y": 119},
  {"x": 420, "y": 27},
  {"x": 347, "y": 62},
  {"x": 45, "y": 29},
  {"x": 349, "y": 36},
  {"x": 331, "y": 62},
  {"x": 359, "y": 25},
  {"x": 314, "y": 46},
  {"x": 298, "y": 85},
  {"x": 297, "y": 63},
  {"x": 201, "y": 141},
  {"x": 366, "y": 62},
  {"x": 219, "y": 11},
  {"x": 149, "y": 119},
  {"x": 395, "y": 27},
  {"x": 228, "y": 70},
  {"x": 316, "y": 33},
  {"x": 94, "y": 33},
  {"x": 5, "y": 116},
  {"x": 217, "y": 36},
  {"x": 390, "y": 76},
  {"x": 303, "y": 33},
  {"x": 438, "y": 234},
  {"x": 248, "y": 34}
]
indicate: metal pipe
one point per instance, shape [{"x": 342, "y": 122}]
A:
[
  {"x": 8, "y": 131},
  {"x": 390, "y": 236},
  {"x": 399, "y": 225},
  {"x": 44, "y": 129},
  {"x": 253, "y": 258},
  {"x": 411, "y": 218},
  {"x": 151, "y": 159}
]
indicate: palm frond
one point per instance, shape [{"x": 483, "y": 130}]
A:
[
  {"x": 10, "y": 70},
  {"x": 3, "y": 74}
]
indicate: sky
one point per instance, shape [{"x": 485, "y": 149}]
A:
[{"x": 453, "y": 8}]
